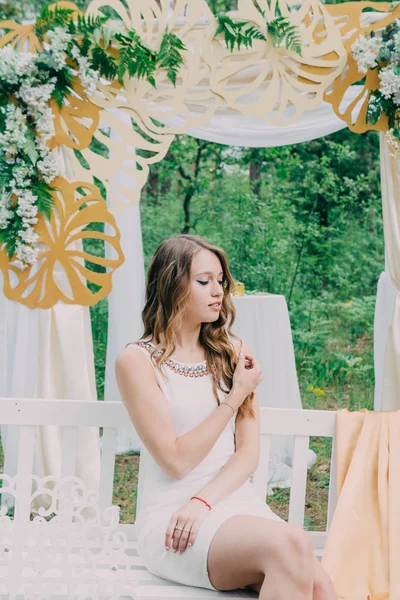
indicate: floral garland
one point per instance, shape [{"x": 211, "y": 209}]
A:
[
  {"x": 27, "y": 165},
  {"x": 76, "y": 47},
  {"x": 382, "y": 53}
]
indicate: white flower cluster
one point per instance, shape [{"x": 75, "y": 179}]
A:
[
  {"x": 27, "y": 245},
  {"x": 390, "y": 83},
  {"x": 22, "y": 146},
  {"x": 365, "y": 51},
  {"x": 14, "y": 65},
  {"x": 384, "y": 55},
  {"x": 87, "y": 76},
  {"x": 15, "y": 132},
  {"x": 25, "y": 148},
  {"x": 36, "y": 98},
  {"x": 59, "y": 41}
]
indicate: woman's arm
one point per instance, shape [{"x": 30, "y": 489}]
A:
[
  {"x": 151, "y": 416},
  {"x": 242, "y": 464}
]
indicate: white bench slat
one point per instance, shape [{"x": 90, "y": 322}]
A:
[
  {"x": 26, "y": 446},
  {"x": 175, "y": 592},
  {"x": 332, "y": 494},
  {"x": 85, "y": 413},
  {"x": 108, "y": 450},
  {"x": 299, "y": 480},
  {"x": 260, "y": 477}
]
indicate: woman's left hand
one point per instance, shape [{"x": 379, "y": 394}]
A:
[{"x": 184, "y": 525}]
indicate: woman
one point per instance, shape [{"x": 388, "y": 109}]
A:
[{"x": 189, "y": 387}]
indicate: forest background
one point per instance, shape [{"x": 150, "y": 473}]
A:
[{"x": 304, "y": 221}]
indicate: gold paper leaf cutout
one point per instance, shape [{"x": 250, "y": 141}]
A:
[
  {"x": 131, "y": 151},
  {"x": 17, "y": 35},
  {"x": 348, "y": 18},
  {"x": 60, "y": 273},
  {"x": 76, "y": 121},
  {"x": 283, "y": 83}
]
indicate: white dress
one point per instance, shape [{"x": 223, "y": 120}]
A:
[{"x": 191, "y": 400}]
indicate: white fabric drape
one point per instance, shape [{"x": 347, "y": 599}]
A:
[
  {"x": 390, "y": 178},
  {"x": 383, "y": 315},
  {"x": 126, "y": 300},
  {"x": 125, "y": 303},
  {"x": 49, "y": 354},
  {"x": 262, "y": 320},
  {"x": 234, "y": 129}
]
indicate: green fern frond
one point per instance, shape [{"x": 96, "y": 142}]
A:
[
  {"x": 29, "y": 148},
  {"x": 135, "y": 57},
  {"x": 169, "y": 56},
  {"x": 65, "y": 78},
  {"x": 5, "y": 174},
  {"x": 105, "y": 64},
  {"x": 45, "y": 197},
  {"x": 237, "y": 34},
  {"x": 51, "y": 18},
  {"x": 89, "y": 24},
  {"x": 282, "y": 30},
  {"x": 9, "y": 235}
]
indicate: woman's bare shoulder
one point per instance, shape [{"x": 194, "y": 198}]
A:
[{"x": 132, "y": 357}]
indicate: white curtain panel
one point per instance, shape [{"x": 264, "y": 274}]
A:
[
  {"x": 383, "y": 315},
  {"x": 125, "y": 304},
  {"x": 390, "y": 178},
  {"x": 49, "y": 354}
]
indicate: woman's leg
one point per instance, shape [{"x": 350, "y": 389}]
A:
[
  {"x": 323, "y": 585},
  {"x": 249, "y": 550}
]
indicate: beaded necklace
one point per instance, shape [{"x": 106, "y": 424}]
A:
[{"x": 185, "y": 369}]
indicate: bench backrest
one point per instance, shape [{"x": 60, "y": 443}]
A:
[{"x": 26, "y": 414}]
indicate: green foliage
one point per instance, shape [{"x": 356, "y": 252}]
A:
[
  {"x": 237, "y": 34},
  {"x": 65, "y": 79},
  {"x": 282, "y": 30},
  {"x": 9, "y": 236},
  {"x": 29, "y": 149},
  {"x": 45, "y": 201},
  {"x": 52, "y": 18},
  {"x": 104, "y": 63},
  {"x": 169, "y": 56},
  {"x": 135, "y": 57},
  {"x": 242, "y": 33},
  {"x": 90, "y": 25}
]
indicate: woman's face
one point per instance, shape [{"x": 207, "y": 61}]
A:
[{"x": 206, "y": 285}]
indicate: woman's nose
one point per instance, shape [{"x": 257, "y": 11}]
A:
[{"x": 217, "y": 289}]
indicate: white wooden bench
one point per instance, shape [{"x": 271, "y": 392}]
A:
[{"x": 65, "y": 558}]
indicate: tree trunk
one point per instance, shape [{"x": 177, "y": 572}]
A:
[
  {"x": 191, "y": 185},
  {"x": 255, "y": 176}
]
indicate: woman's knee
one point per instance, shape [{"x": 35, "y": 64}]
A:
[{"x": 293, "y": 555}]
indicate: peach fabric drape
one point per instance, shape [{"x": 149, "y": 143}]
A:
[{"x": 362, "y": 552}]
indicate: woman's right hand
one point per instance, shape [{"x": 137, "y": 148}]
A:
[{"x": 246, "y": 377}]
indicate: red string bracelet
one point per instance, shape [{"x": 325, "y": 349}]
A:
[{"x": 201, "y": 500}]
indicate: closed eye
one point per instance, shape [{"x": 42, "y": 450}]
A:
[{"x": 205, "y": 282}]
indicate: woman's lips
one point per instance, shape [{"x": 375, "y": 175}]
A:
[{"x": 215, "y": 306}]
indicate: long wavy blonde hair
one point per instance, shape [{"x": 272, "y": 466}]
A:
[{"x": 168, "y": 296}]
